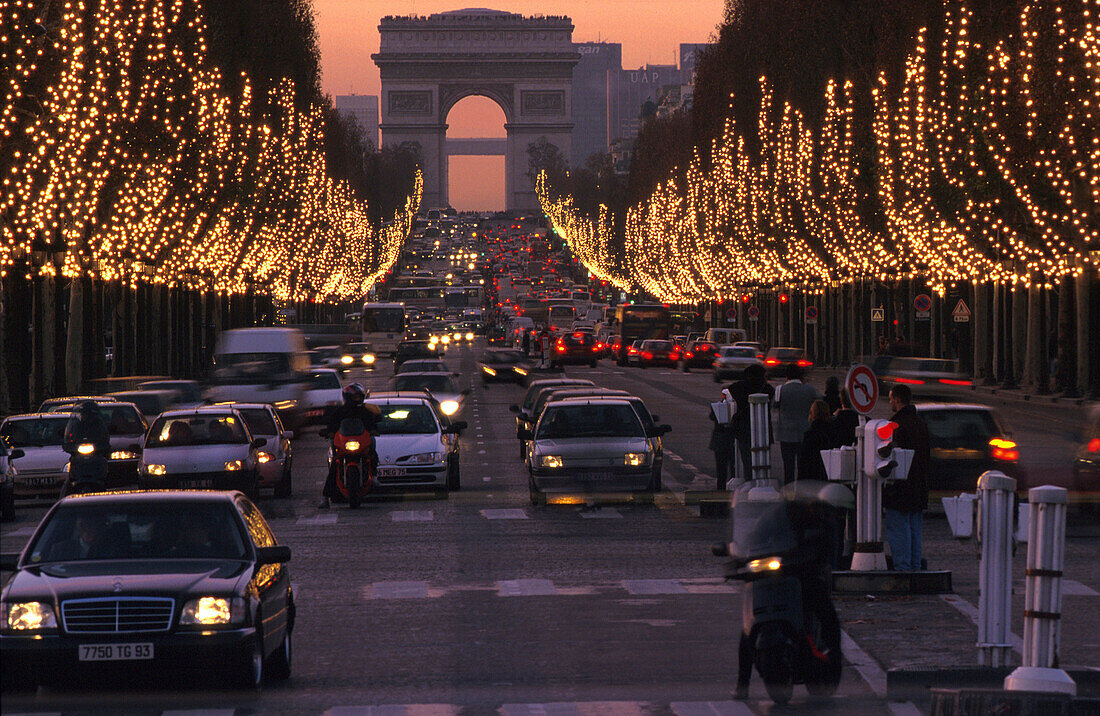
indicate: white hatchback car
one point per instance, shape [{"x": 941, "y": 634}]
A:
[
  {"x": 322, "y": 395},
  {"x": 205, "y": 448},
  {"x": 275, "y": 458},
  {"x": 417, "y": 445},
  {"x": 41, "y": 470}
]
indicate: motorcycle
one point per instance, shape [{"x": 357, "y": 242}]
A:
[
  {"x": 780, "y": 549},
  {"x": 353, "y": 454},
  {"x": 87, "y": 471}
]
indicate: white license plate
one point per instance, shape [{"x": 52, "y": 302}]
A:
[
  {"x": 598, "y": 475},
  {"x": 42, "y": 481},
  {"x": 195, "y": 484},
  {"x": 116, "y": 652},
  {"x": 391, "y": 472}
]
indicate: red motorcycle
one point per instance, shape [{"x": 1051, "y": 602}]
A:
[{"x": 353, "y": 453}]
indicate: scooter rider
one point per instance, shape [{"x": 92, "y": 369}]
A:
[
  {"x": 354, "y": 407},
  {"x": 88, "y": 425}
]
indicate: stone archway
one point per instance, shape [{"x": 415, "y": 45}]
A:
[{"x": 524, "y": 64}]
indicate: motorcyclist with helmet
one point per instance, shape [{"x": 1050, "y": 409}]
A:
[
  {"x": 354, "y": 406},
  {"x": 87, "y": 426}
]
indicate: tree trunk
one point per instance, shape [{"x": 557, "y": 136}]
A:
[
  {"x": 1018, "y": 320},
  {"x": 74, "y": 338},
  {"x": 1084, "y": 321},
  {"x": 981, "y": 332},
  {"x": 1065, "y": 378},
  {"x": 1036, "y": 343}
]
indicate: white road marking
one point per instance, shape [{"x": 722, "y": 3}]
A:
[
  {"x": 507, "y": 513},
  {"x": 971, "y": 613},
  {"x": 604, "y": 513},
  {"x": 397, "y": 590},
  {"x": 675, "y": 457},
  {"x": 526, "y": 588},
  {"x": 412, "y": 516},
  {"x": 324, "y": 518},
  {"x": 395, "y": 710},
  {"x": 653, "y": 586},
  {"x": 485, "y": 479},
  {"x": 867, "y": 667},
  {"x": 710, "y": 708},
  {"x": 1073, "y": 588}
]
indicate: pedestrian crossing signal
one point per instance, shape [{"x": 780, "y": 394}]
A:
[{"x": 881, "y": 458}]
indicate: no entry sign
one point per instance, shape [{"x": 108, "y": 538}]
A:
[{"x": 862, "y": 387}]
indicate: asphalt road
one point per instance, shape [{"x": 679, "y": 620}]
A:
[{"x": 480, "y": 603}]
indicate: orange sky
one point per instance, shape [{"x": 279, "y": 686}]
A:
[{"x": 650, "y": 31}]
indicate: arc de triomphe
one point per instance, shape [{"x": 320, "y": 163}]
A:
[{"x": 524, "y": 64}]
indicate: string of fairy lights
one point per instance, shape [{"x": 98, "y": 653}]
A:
[
  {"x": 121, "y": 151},
  {"x": 987, "y": 168}
]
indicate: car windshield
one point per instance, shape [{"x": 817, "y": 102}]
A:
[
  {"x": 328, "y": 352},
  {"x": 123, "y": 419},
  {"x": 960, "y": 429},
  {"x": 188, "y": 391},
  {"x": 738, "y": 353},
  {"x": 139, "y": 530},
  {"x": 324, "y": 381},
  {"x": 259, "y": 421},
  {"x": 786, "y": 353},
  {"x": 423, "y": 366},
  {"x": 431, "y": 383},
  {"x": 406, "y": 420},
  {"x": 657, "y": 345},
  {"x": 589, "y": 421},
  {"x": 35, "y": 432},
  {"x": 182, "y": 430}
]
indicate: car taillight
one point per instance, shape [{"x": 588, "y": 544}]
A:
[
  {"x": 805, "y": 363},
  {"x": 772, "y": 361},
  {"x": 909, "y": 381},
  {"x": 948, "y": 381},
  {"x": 596, "y": 348},
  {"x": 1094, "y": 445},
  {"x": 689, "y": 355},
  {"x": 1004, "y": 450},
  {"x": 647, "y": 355}
]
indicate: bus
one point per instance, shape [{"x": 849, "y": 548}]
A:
[
  {"x": 383, "y": 325},
  {"x": 428, "y": 298},
  {"x": 638, "y": 322}
]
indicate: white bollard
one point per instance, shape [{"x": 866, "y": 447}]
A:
[
  {"x": 868, "y": 553},
  {"x": 995, "y": 506},
  {"x": 1046, "y": 556},
  {"x": 758, "y": 432}
]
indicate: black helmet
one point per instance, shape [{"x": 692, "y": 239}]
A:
[
  {"x": 87, "y": 407},
  {"x": 354, "y": 394}
]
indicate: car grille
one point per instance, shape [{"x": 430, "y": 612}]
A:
[{"x": 117, "y": 615}]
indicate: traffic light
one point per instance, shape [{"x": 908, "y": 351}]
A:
[
  {"x": 878, "y": 448},
  {"x": 783, "y": 298}
]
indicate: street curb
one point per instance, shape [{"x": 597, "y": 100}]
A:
[{"x": 904, "y": 684}]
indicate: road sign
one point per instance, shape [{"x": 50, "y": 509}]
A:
[
  {"x": 754, "y": 313},
  {"x": 923, "y": 303},
  {"x": 878, "y": 315},
  {"x": 961, "y": 312},
  {"x": 811, "y": 314},
  {"x": 731, "y": 314},
  {"x": 862, "y": 387}
]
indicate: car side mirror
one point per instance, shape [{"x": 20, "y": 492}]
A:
[
  {"x": 526, "y": 435},
  {"x": 9, "y": 561},
  {"x": 655, "y": 417},
  {"x": 16, "y": 454},
  {"x": 465, "y": 391},
  {"x": 662, "y": 429},
  {"x": 272, "y": 555},
  {"x": 457, "y": 426},
  {"x": 513, "y": 408},
  {"x": 258, "y": 443}
]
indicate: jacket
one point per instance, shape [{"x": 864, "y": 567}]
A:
[
  {"x": 740, "y": 391},
  {"x": 844, "y": 425},
  {"x": 910, "y": 494},
  {"x": 794, "y": 399},
  {"x": 368, "y": 413},
  {"x": 818, "y": 437}
]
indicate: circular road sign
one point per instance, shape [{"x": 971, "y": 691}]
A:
[
  {"x": 811, "y": 312},
  {"x": 923, "y": 302},
  {"x": 862, "y": 387},
  {"x": 753, "y": 311},
  {"x": 731, "y": 314}
]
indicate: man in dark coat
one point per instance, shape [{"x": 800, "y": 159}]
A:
[
  {"x": 754, "y": 381},
  {"x": 905, "y": 500}
]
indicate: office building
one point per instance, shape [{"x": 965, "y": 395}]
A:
[{"x": 364, "y": 108}]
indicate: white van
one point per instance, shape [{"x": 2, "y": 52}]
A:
[
  {"x": 725, "y": 336},
  {"x": 561, "y": 317},
  {"x": 262, "y": 365}
]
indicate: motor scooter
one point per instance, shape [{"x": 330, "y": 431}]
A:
[
  {"x": 353, "y": 455},
  {"x": 780, "y": 549},
  {"x": 87, "y": 470}
]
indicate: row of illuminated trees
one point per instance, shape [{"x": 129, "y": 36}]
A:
[{"x": 122, "y": 149}]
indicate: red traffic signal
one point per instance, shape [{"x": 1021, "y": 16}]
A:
[{"x": 783, "y": 298}]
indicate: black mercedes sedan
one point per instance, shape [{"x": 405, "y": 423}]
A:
[{"x": 148, "y": 580}]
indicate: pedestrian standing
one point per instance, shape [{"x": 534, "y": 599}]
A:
[
  {"x": 845, "y": 422},
  {"x": 832, "y": 393},
  {"x": 753, "y": 381},
  {"x": 794, "y": 399},
  {"x": 721, "y": 444},
  {"x": 818, "y": 437},
  {"x": 544, "y": 348},
  {"x": 905, "y": 500},
  {"x": 525, "y": 342}
]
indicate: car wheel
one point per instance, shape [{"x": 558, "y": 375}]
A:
[
  {"x": 283, "y": 486},
  {"x": 248, "y": 671},
  {"x": 278, "y": 666},
  {"x": 7, "y": 510},
  {"x": 536, "y": 495},
  {"x": 656, "y": 484},
  {"x": 593, "y": 364},
  {"x": 454, "y": 479}
]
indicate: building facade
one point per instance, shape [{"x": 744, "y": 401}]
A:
[
  {"x": 591, "y": 131},
  {"x": 364, "y": 109}
]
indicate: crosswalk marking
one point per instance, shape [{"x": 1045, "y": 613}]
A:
[
  {"x": 504, "y": 513},
  {"x": 526, "y": 588},
  {"x": 397, "y": 590},
  {"x": 412, "y": 515},
  {"x": 324, "y": 518},
  {"x": 395, "y": 710},
  {"x": 653, "y": 586}
]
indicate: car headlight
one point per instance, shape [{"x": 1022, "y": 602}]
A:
[
  {"x": 768, "y": 564},
  {"x": 433, "y": 340},
  {"x": 424, "y": 458},
  {"x": 232, "y": 465},
  {"x": 85, "y": 448},
  {"x": 449, "y": 407},
  {"x": 369, "y": 358},
  {"x": 67, "y": 466},
  {"x": 351, "y": 445},
  {"x": 445, "y": 340},
  {"x": 123, "y": 455},
  {"x": 346, "y": 360},
  {"x": 264, "y": 457},
  {"x": 29, "y": 616},
  {"x": 635, "y": 459},
  {"x": 156, "y": 470},
  {"x": 551, "y": 461},
  {"x": 212, "y": 611},
  {"x": 470, "y": 336},
  {"x": 458, "y": 336},
  {"x": 488, "y": 370}
]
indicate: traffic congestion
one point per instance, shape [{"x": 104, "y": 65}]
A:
[{"x": 201, "y": 528}]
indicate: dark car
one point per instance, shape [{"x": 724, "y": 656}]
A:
[
  {"x": 503, "y": 365},
  {"x": 656, "y": 352},
  {"x": 1086, "y": 465},
  {"x": 132, "y": 582},
  {"x": 407, "y": 350},
  {"x": 575, "y": 348},
  {"x": 965, "y": 441},
  {"x": 525, "y": 418},
  {"x": 698, "y": 354},
  {"x": 780, "y": 358}
]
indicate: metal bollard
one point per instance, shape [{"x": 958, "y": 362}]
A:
[
  {"x": 758, "y": 430},
  {"x": 1046, "y": 556},
  {"x": 868, "y": 553},
  {"x": 996, "y": 496}
]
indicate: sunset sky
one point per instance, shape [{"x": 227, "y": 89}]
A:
[{"x": 650, "y": 31}]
